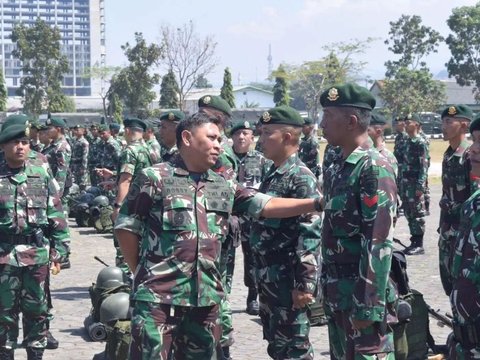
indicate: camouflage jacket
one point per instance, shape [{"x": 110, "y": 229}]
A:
[
  {"x": 392, "y": 160},
  {"x": 36, "y": 146},
  {"x": 168, "y": 154},
  {"x": 455, "y": 184},
  {"x": 182, "y": 224},
  {"x": 294, "y": 242},
  {"x": 330, "y": 155},
  {"x": 80, "y": 150},
  {"x": 59, "y": 155},
  {"x": 30, "y": 201},
  {"x": 155, "y": 150},
  {"x": 95, "y": 152},
  {"x": 252, "y": 168},
  {"x": 134, "y": 158},
  {"x": 415, "y": 163},
  {"x": 399, "y": 150},
  {"x": 111, "y": 154},
  {"x": 357, "y": 234},
  {"x": 309, "y": 154},
  {"x": 465, "y": 297}
]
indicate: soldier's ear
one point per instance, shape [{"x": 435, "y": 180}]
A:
[
  {"x": 186, "y": 137},
  {"x": 352, "y": 122}
]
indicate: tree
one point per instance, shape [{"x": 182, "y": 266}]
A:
[
  {"x": 409, "y": 85},
  {"x": 202, "y": 82},
  {"x": 280, "y": 89},
  {"x": 413, "y": 41},
  {"x": 133, "y": 84},
  {"x": 115, "y": 107},
  {"x": 169, "y": 92},
  {"x": 188, "y": 56},
  {"x": 43, "y": 65},
  {"x": 412, "y": 91},
  {"x": 226, "y": 91},
  {"x": 61, "y": 103},
  {"x": 104, "y": 74},
  {"x": 464, "y": 45},
  {"x": 3, "y": 93}
]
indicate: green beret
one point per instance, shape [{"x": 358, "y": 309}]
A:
[
  {"x": 173, "y": 115},
  {"x": 475, "y": 124},
  {"x": 215, "y": 102},
  {"x": 79, "y": 126},
  {"x": 35, "y": 124},
  {"x": 413, "y": 117},
  {"x": 283, "y": 114},
  {"x": 348, "y": 95},
  {"x": 135, "y": 123},
  {"x": 114, "y": 126},
  {"x": 57, "y": 122},
  {"x": 308, "y": 121},
  {"x": 458, "y": 111},
  {"x": 398, "y": 119},
  {"x": 151, "y": 123},
  {"x": 103, "y": 127},
  {"x": 14, "y": 127},
  {"x": 240, "y": 125},
  {"x": 94, "y": 126},
  {"x": 378, "y": 119}
]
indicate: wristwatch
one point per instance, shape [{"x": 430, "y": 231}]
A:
[{"x": 117, "y": 205}]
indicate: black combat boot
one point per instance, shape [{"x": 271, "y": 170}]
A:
[
  {"x": 34, "y": 354},
  {"x": 6, "y": 354},
  {"x": 226, "y": 353},
  {"x": 252, "y": 303},
  {"x": 417, "y": 246},
  {"x": 52, "y": 343}
]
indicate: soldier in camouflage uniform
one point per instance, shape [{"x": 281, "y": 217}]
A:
[
  {"x": 286, "y": 252},
  {"x": 330, "y": 155},
  {"x": 111, "y": 149},
  {"x": 465, "y": 295},
  {"x": 252, "y": 168},
  {"x": 79, "y": 163},
  {"x": 427, "y": 188},
  {"x": 414, "y": 177},
  {"x": 152, "y": 143},
  {"x": 115, "y": 130},
  {"x": 168, "y": 125},
  {"x": 35, "y": 143},
  {"x": 94, "y": 153},
  {"x": 357, "y": 234},
  {"x": 399, "y": 148},
  {"x": 31, "y": 209},
  {"x": 377, "y": 126},
  {"x": 455, "y": 185},
  {"x": 178, "y": 214},
  {"x": 308, "y": 151}
]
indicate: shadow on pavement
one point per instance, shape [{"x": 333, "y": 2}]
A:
[
  {"x": 71, "y": 293},
  {"x": 88, "y": 231},
  {"x": 81, "y": 332}
]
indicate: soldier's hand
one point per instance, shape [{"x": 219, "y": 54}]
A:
[
  {"x": 55, "y": 268},
  {"x": 361, "y": 324},
  {"x": 300, "y": 299}
]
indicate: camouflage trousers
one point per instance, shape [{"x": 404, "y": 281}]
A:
[
  {"x": 22, "y": 289},
  {"x": 249, "y": 278},
  {"x": 159, "y": 330},
  {"x": 81, "y": 178},
  {"x": 446, "y": 244},
  {"x": 414, "y": 209},
  {"x": 349, "y": 344},
  {"x": 94, "y": 178},
  {"x": 286, "y": 329},
  {"x": 226, "y": 316}
]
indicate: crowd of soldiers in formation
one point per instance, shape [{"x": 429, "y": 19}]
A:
[{"x": 281, "y": 257}]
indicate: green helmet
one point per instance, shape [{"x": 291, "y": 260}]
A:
[
  {"x": 101, "y": 201},
  {"x": 115, "y": 307},
  {"x": 110, "y": 277}
]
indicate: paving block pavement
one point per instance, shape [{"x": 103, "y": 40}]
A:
[{"x": 72, "y": 303}]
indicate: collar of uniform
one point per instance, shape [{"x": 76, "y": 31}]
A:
[
  {"x": 464, "y": 145},
  {"x": 291, "y": 160},
  {"x": 181, "y": 170},
  {"x": 359, "y": 152}
]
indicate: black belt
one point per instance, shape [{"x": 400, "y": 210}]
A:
[
  {"x": 468, "y": 335},
  {"x": 339, "y": 271},
  {"x": 274, "y": 258},
  {"x": 35, "y": 238}
]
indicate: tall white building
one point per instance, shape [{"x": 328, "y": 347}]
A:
[{"x": 82, "y": 28}]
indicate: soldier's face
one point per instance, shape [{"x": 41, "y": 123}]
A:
[
  {"x": 475, "y": 153},
  {"x": 16, "y": 151},
  {"x": 334, "y": 125},
  {"x": 412, "y": 127},
  {"x": 452, "y": 128},
  {"x": 202, "y": 146},
  {"x": 272, "y": 141},
  {"x": 307, "y": 129},
  {"x": 168, "y": 133},
  {"x": 43, "y": 137},
  {"x": 105, "y": 135},
  {"x": 242, "y": 140},
  {"x": 400, "y": 126}
]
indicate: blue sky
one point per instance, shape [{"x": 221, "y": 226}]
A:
[{"x": 296, "y": 29}]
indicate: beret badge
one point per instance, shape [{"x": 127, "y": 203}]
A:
[
  {"x": 171, "y": 116},
  {"x": 266, "y": 116},
  {"x": 48, "y": 122},
  {"x": 333, "y": 94},
  {"x": 27, "y": 129},
  {"x": 246, "y": 124},
  {"x": 452, "y": 110},
  {"x": 207, "y": 100}
]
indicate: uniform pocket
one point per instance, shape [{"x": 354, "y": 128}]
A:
[{"x": 37, "y": 197}]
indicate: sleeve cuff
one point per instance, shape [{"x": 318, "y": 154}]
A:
[
  {"x": 130, "y": 224},
  {"x": 256, "y": 208}
]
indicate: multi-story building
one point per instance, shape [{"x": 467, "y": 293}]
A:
[{"x": 82, "y": 28}]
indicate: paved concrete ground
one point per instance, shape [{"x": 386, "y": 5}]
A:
[{"x": 72, "y": 303}]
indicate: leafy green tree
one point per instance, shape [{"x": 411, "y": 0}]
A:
[
  {"x": 188, "y": 56},
  {"x": 280, "y": 89},
  {"x": 226, "y": 91},
  {"x": 202, "y": 82},
  {"x": 412, "y": 41},
  {"x": 43, "y": 65},
  {"x": 133, "y": 84},
  {"x": 3, "y": 93},
  {"x": 61, "y": 103},
  {"x": 115, "y": 107},
  {"x": 464, "y": 45},
  {"x": 104, "y": 74},
  {"x": 409, "y": 85},
  {"x": 412, "y": 91},
  {"x": 169, "y": 91}
]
